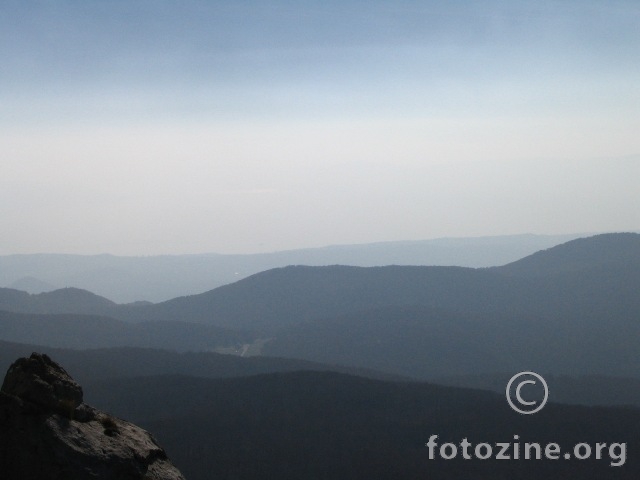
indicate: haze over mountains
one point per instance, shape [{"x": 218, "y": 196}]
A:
[
  {"x": 327, "y": 374},
  {"x": 161, "y": 160},
  {"x": 159, "y": 278},
  {"x": 576, "y": 314}
]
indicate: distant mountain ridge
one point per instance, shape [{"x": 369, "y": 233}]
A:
[
  {"x": 160, "y": 278},
  {"x": 581, "y": 317},
  {"x": 295, "y": 294},
  {"x": 64, "y": 300},
  {"x": 31, "y": 285},
  {"x": 600, "y": 251},
  {"x": 292, "y": 294}
]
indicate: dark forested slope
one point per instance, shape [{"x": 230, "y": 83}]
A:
[
  {"x": 108, "y": 363},
  {"x": 90, "y": 331},
  {"x": 324, "y": 425}
]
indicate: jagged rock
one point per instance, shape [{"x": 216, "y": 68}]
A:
[
  {"x": 40, "y": 380},
  {"x": 48, "y": 433}
]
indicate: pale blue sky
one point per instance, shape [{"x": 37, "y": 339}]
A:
[{"x": 228, "y": 126}]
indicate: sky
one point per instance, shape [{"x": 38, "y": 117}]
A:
[{"x": 173, "y": 127}]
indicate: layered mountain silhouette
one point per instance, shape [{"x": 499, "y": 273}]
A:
[
  {"x": 159, "y": 278},
  {"x": 296, "y": 294},
  {"x": 91, "y": 365},
  {"x": 329, "y": 395},
  {"x": 423, "y": 322}
]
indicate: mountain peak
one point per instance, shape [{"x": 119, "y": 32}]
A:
[
  {"x": 599, "y": 251},
  {"x": 68, "y": 294},
  {"x": 47, "y": 432},
  {"x": 32, "y": 285}
]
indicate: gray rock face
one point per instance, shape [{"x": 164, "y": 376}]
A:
[
  {"x": 41, "y": 381},
  {"x": 48, "y": 433}
]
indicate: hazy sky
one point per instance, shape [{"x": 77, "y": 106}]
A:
[{"x": 148, "y": 127}]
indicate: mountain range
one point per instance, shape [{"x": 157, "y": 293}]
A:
[
  {"x": 347, "y": 372},
  {"x": 580, "y": 317},
  {"x": 160, "y": 278}
]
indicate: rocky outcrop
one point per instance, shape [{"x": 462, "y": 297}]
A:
[{"x": 48, "y": 433}]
